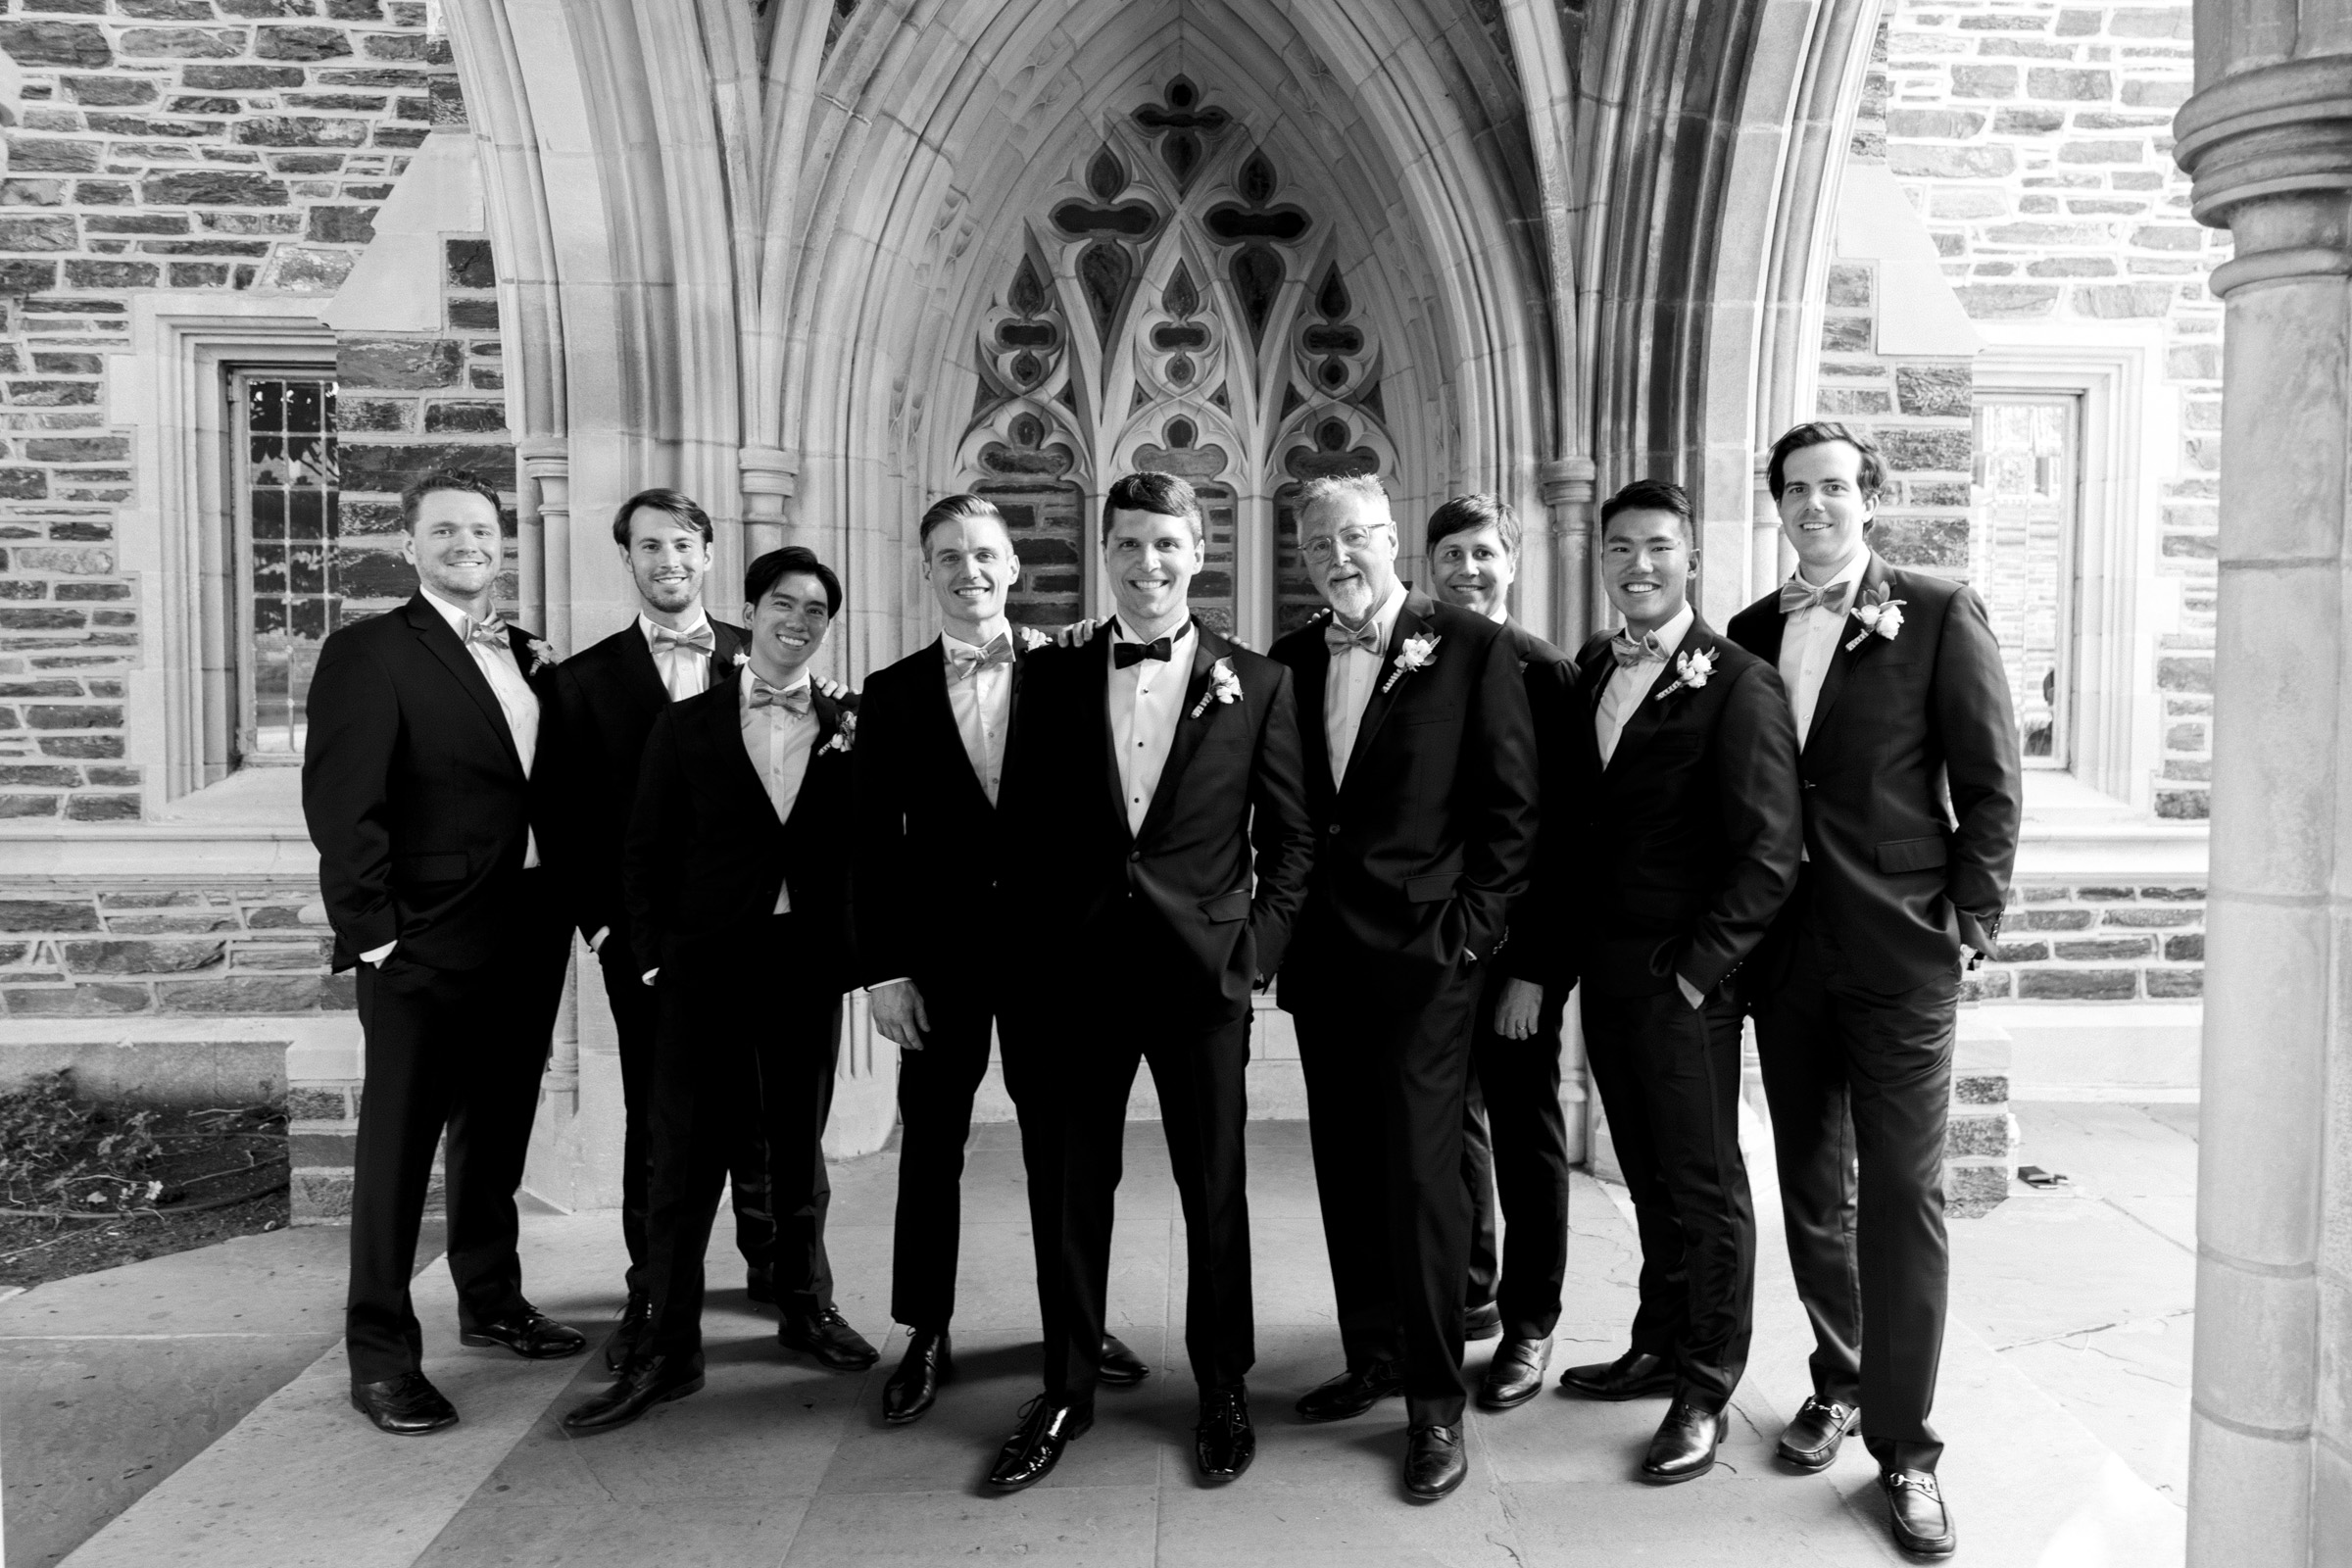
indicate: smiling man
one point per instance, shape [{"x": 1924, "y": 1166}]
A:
[{"x": 419, "y": 787}]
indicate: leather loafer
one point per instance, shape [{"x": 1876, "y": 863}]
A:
[
  {"x": 407, "y": 1406},
  {"x": 1031, "y": 1452},
  {"x": 649, "y": 1381},
  {"x": 635, "y": 1319},
  {"x": 1435, "y": 1463},
  {"x": 1121, "y": 1367},
  {"x": 1223, "y": 1441},
  {"x": 1483, "y": 1322},
  {"x": 1516, "y": 1374},
  {"x": 1923, "y": 1525},
  {"x": 1353, "y": 1392},
  {"x": 1685, "y": 1444},
  {"x": 1811, "y": 1440},
  {"x": 929, "y": 1361},
  {"x": 1635, "y": 1374},
  {"x": 529, "y": 1332},
  {"x": 828, "y": 1337}
]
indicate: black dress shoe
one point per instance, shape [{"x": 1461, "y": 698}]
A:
[
  {"x": 1635, "y": 1374},
  {"x": 529, "y": 1332},
  {"x": 1121, "y": 1367},
  {"x": 1435, "y": 1463},
  {"x": 828, "y": 1337},
  {"x": 760, "y": 1284},
  {"x": 1353, "y": 1392},
  {"x": 635, "y": 1319},
  {"x": 649, "y": 1381},
  {"x": 1684, "y": 1447},
  {"x": 929, "y": 1361},
  {"x": 1812, "y": 1440},
  {"x": 1032, "y": 1450},
  {"x": 1516, "y": 1374},
  {"x": 1923, "y": 1525},
  {"x": 1223, "y": 1441},
  {"x": 407, "y": 1406},
  {"x": 1483, "y": 1322}
]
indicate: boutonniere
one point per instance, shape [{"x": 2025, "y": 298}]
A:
[
  {"x": 1224, "y": 686},
  {"x": 844, "y": 735},
  {"x": 1418, "y": 653},
  {"x": 1692, "y": 670},
  {"x": 742, "y": 658},
  {"x": 542, "y": 656},
  {"x": 1881, "y": 614}
]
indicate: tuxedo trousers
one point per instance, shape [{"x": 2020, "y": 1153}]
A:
[
  {"x": 1385, "y": 1083},
  {"x": 1862, "y": 1078},
  {"x": 1669, "y": 1078},
  {"x": 1515, "y": 1157},
  {"x": 1203, "y": 1109},
  {"x": 458, "y": 1051},
  {"x": 637, "y": 1019},
  {"x": 744, "y": 1055}
]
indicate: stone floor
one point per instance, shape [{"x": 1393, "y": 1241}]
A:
[{"x": 190, "y": 1410}]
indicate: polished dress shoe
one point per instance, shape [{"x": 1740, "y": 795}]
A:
[
  {"x": 1684, "y": 1447},
  {"x": 1032, "y": 1451},
  {"x": 1223, "y": 1441},
  {"x": 529, "y": 1332},
  {"x": 650, "y": 1380},
  {"x": 828, "y": 1337},
  {"x": 1483, "y": 1322},
  {"x": 407, "y": 1406},
  {"x": 1635, "y": 1374},
  {"x": 929, "y": 1361},
  {"x": 1121, "y": 1367},
  {"x": 1923, "y": 1525},
  {"x": 1812, "y": 1440},
  {"x": 635, "y": 1319},
  {"x": 1353, "y": 1392},
  {"x": 1435, "y": 1463},
  {"x": 760, "y": 1284},
  {"x": 1516, "y": 1374}
]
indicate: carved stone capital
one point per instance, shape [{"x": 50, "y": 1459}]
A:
[
  {"x": 1566, "y": 481},
  {"x": 768, "y": 476},
  {"x": 2270, "y": 154},
  {"x": 545, "y": 461}
]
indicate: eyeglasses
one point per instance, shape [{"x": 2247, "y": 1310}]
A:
[{"x": 1324, "y": 546}]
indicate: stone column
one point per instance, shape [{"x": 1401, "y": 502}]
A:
[
  {"x": 1568, "y": 498},
  {"x": 2268, "y": 140},
  {"x": 767, "y": 474}
]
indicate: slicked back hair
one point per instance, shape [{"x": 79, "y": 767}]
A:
[
  {"x": 1162, "y": 494},
  {"x": 769, "y": 569},
  {"x": 1652, "y": 495},
  {"x": 1469, "y": 514},
  {"x": 679, "y": 506},
  {"x": 1820, "y": 434},
  {"x": 465, "y": 479},
  {"x": 1343, "y": 487},
  {"x": 957, "y": 509}
]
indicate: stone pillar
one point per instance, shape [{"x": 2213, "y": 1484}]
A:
[
  {"x": 768, "y": 485},
  {"x": 2268, "y": 140},
  {"x": 1568, "y": 498}
]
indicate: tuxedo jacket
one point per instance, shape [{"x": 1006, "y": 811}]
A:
[
  {"x": 1421, "y": 851},
  {"x": 1230, "y": 803},
  {"x": 1535, "y": 950},
  {"x": 606, "y": 700},
  {"x": 1911, "y": 783},
  {"x": 706, "y": 855},
  {"x": 927, "y": 841},
  {"x": 1691, "y": 833},
  {"x": 415, "y": 793}
]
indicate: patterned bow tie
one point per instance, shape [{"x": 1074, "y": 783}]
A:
[
  {"x": 1338, "y": 639},
  {"x": 703, "y": 642},
  {"x": 491, "y": 634},
  {"x": 1123, "y": 655},
  {"x": 1629, "y": 653},
  {"x": 791, "y": 699},
  {"x": 1797, "y": 594},
  {"x": 970, "y": 660}
]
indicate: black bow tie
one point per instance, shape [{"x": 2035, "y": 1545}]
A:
[{"x": 1123, "y": 655}]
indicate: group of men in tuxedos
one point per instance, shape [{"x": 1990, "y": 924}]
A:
[{"x": 1427, "y": 823}]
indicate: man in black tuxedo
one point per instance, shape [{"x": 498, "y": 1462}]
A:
[
  {"x": 1421, "y": 781},
  {"x": 606, "y": 698},
  {"x": 1911, "y": 789},
  {"x": 1515, "y": 1133},
  {"x": 737, "y": 890},
  {"x": 929, "y": 853},
  {"x": 1685, "y": 804},
  {"x": 1159, "y": 769},
  {"x": 418, "y": 787}
]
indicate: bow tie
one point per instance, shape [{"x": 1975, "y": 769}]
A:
[
  {"x": 1338, "y": 639},
  {"x": 703, "y": 642},
  {"x": 791, "y": 699},
  {"x": 1123, "y": 655},
  {"x": 491, "y": 634},
  {"x": 1797, "y": 594},
  {"x": 965, "y": 660},
  {"x": 1629, "y": 653}
]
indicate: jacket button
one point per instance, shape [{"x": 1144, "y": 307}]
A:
[
  {"x": 1335, "y": 830},
  {"x": 1135, "y": 854}
]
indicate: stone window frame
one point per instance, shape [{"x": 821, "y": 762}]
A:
[{"x": 2117, "y": 370}]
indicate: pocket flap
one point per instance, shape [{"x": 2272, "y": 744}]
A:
[
  {"x": 448, "y": 867},
  {"x": 1234, "y": 906},
  {"x": 1435, "y": 887},
  {"x": 1912, "y": 854}
]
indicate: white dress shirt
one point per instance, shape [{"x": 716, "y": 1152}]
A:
[
  {"x": 1628, "y": 685},
  {"x": 1809, "y": 640},
  {"x": 982, "y": 702},
  {"x": 1147, "y": 703},
  {"x": 684, "y": 670},
  {"x": 1348, "y": 683},
  {"x": 779, "y": 743}
]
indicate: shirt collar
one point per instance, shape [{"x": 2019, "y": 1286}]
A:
[
  {"x": 459, "y": 618},
  {"x": 647, "y": 625},
  {"x": 1850, "y": 574},
  {"x": 743, "y": 692},
  {"x": 1120, "y": 634},
  {"x": 1670, "y": 636},
  {"x": 1383, "y": 619}
]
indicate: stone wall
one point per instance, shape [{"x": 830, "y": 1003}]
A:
[{"x": 2098, "y": 942}]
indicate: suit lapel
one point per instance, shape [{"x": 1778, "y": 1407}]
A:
[
  {"x": 1096, "y": 685},
  {"x": 1651, "y": 712},
  {"x": 828, "y": 724},
  {"x": 1411, "y": 616},
  {"x": 947, "y": 738},
  {"x": 1308, "y": 679},
  {"x": 1208, "y": 649},
  {"x": 442, "y": 639},
  {"x": 644, "y": 671},
  {"x": 1854, "y": 644},
  {"x": 1593, "y": 680},
  {"x": 721, "y": 730}
]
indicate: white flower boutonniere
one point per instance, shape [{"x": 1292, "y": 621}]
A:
[
  {"x": 1418, "y": 653},
  {"x": 1224, "y": 686},
  {"x": 1692, "y": 670},
  {"x": 1881, "y": 614},
  {"x": 844, "y": 736},
  {"x": 542, "y": 657},
  {"x": 742, "y": 658}
]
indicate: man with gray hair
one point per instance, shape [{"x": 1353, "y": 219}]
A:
[{"x": 1421, "y": 783}]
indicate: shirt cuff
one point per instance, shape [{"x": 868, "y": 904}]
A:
[
  {"x": 596, "y": 943},
  {"x": 379, "y": 954},
  {"x": 647, "y": 976},
  {"x": 1691, "y": 993},
  {"x": 881, "y": 984}
]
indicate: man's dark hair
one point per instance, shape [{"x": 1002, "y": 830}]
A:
[
  {"x": 1652, "y": 495},
  {"x": 957, "y": 509},
  {"x": 764, "y": 573},
  {"x": 661, "y": 498},
  {"x": 465, "y": 479},
  {"x": 1820, "y": 434},
  {"x": 1161, "y": 494},
  {"x": 1469, "y": 514}
]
